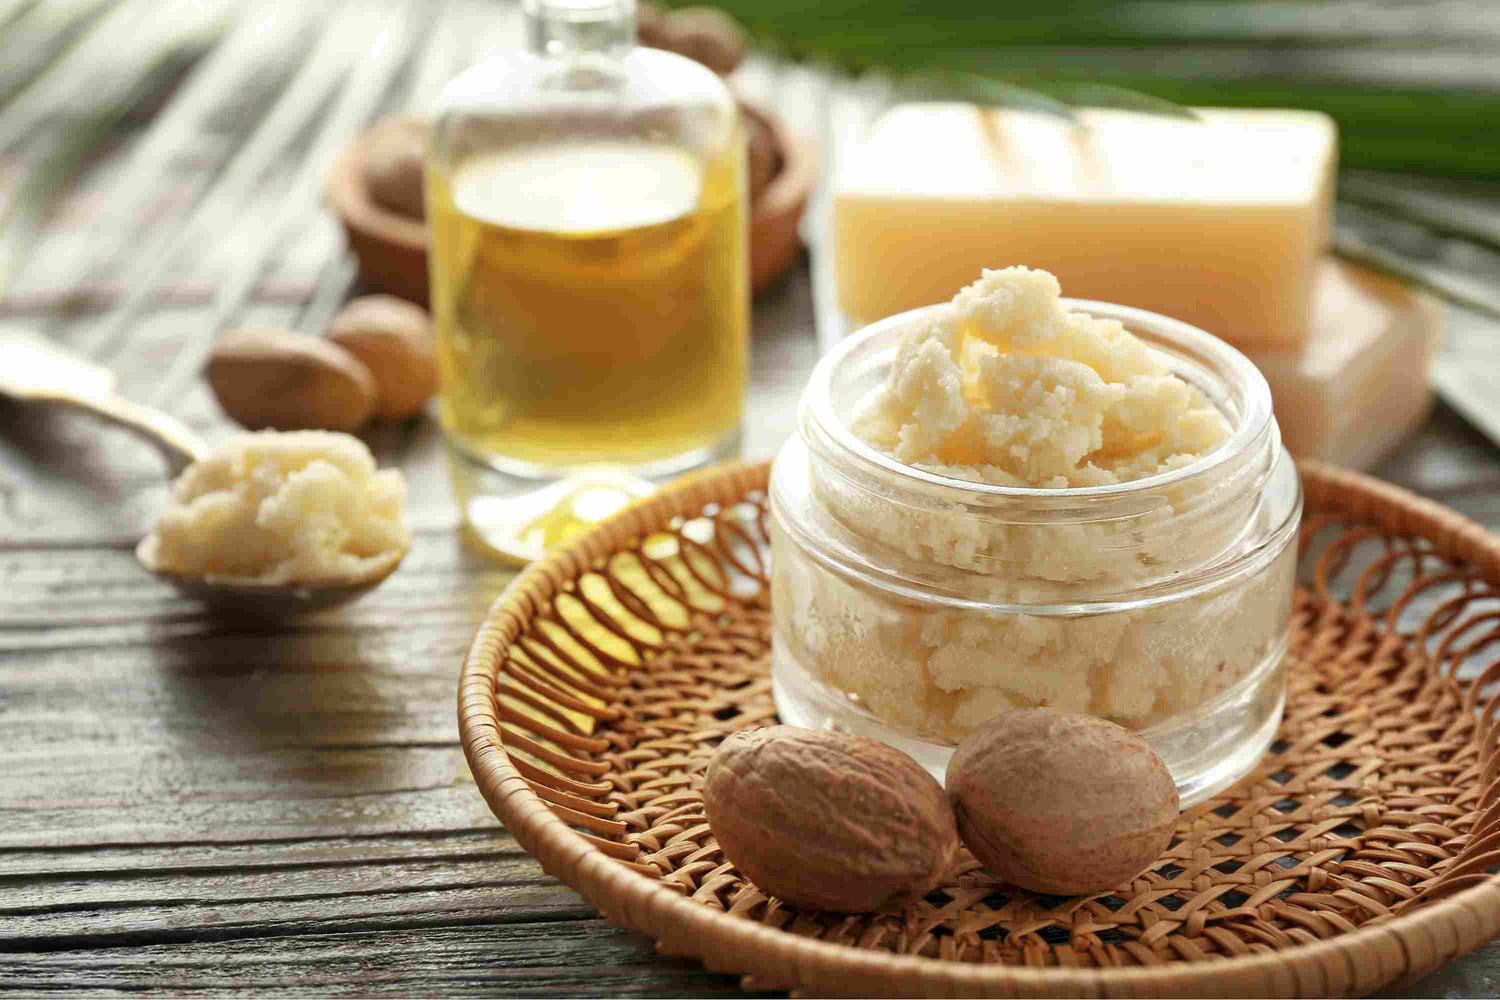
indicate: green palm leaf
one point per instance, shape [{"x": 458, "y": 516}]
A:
[
  {"x": 1446, "y": 286},
  {"x": 65, "y": 119},
  {"x": 1365, "y": 65},
  {"x": 1411, "y": 92}
]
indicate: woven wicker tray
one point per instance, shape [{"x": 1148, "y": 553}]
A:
[{"x": 1355, "y": 856}]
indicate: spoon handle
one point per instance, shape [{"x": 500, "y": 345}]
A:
[
  {"x": 34, "y": 369},
  {"x": 173, "y": 438}
]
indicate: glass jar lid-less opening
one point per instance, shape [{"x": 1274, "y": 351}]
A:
[
  {"x": 583, "y": 76},
  {"x": 866, "y": 513}
]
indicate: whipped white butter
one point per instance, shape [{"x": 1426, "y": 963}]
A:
[
  {"x": 298, "y": 507},
  {"x": 1008, "y": 387}
]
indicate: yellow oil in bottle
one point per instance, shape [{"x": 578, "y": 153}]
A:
[{"x": 591, "y": 303}]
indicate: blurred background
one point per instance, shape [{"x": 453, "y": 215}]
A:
[{"x": 162, "y": 162}]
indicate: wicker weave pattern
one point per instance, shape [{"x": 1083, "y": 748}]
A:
[{"x": 610, "y": 673}]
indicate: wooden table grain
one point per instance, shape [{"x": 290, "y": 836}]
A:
[
  {"x": 200, "y": 805},
  {"x": 210, "y": 806}
]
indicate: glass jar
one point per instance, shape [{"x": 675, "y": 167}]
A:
[
  {"x": 911, "y": 607},
  {"x": 587, "y": 204}
]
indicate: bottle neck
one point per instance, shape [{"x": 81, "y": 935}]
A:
[{"x": 575, "y": 27}]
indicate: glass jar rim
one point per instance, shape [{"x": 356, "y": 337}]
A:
[{"x": 817, "y": 406}]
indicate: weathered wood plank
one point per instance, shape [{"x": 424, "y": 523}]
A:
[
  {"x": 498, "y": 959},
  {"x": 183, "y": 793},
  {"x": 570, "y": 958},
  {"x": 1475, "y": 975},
  {"x": 97, "y": 595},
  {"x": 1446, "y": 457},
  {"x": 18, "y": 864},
  {"x": 97, "y": 913},
  {"x": 500, "y": 862}
]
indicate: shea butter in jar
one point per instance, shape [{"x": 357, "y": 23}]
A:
[{"x": 1019, "y": 500}]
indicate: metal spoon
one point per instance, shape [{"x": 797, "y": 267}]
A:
[{"x": 35, "y": 370}]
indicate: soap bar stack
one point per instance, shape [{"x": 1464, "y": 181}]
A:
[
  {"x": 1358, "y": 385},
  {"x": 1222, "y": 221}
]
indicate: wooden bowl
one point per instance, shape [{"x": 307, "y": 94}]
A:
[
  {"x": 775, "y": 216},
  {"x": 392, "y": 248}
]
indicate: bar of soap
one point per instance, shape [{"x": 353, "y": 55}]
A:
[
  {"x": 1359, "y": 385},
  {"x": 1219, "y": 222}
]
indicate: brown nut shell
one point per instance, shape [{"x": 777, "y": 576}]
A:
[
  {"x": 762, "y": 156},
  {"x": 705, "y": 34},
  {"x": 1061, "y": 803},
  {"x": 650, "y": 25},
  {"x": 286, "y": 381},
  {"x": 828, "y": 820},
  {"x": 393, "y": 337},
  {"x": 393, "y": 166}
]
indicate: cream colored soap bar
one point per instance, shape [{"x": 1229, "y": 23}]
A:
[
  {"x": 1219, "y": 222},
  {"x": 1360, "y": 383}
]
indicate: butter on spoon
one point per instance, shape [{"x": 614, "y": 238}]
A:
[{"x": 258, "y": 527}]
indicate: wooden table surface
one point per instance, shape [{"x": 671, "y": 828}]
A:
[{"x": 200, "y": 805}]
